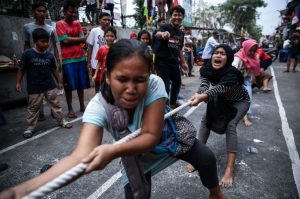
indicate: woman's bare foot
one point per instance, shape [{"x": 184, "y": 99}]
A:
[
  {"x": 247, "y": 121},
  {"x": 190, "y": 168},
  {"x": 227, "y": 179}
]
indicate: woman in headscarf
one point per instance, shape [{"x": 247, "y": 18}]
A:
[
  {"x": 227, "y": 103},
  {"x": 247, "y": 61}
]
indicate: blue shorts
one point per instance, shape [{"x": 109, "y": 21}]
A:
[
  {"x": 294, "y": 56},
  {"x": 75, "y": 76}
]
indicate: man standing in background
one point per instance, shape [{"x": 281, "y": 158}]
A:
[
  {"x": 210, "y": 46},
  {"x": 109, "y": 5},
  {"x": 95, "y": 40},
  {"x": 75, "y": 72}
]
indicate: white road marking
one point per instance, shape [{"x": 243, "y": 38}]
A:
[
  {"x": 35, "y": 137},
  {"x": 105, "y": 186},
  {"x": 288, "y": 135}
]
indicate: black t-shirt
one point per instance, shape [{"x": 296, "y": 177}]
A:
[
  {"x": 168, "y": 50},
  {"x": 39, "y": 68}
]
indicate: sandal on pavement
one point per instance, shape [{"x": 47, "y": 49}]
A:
[
  {"x": 27, "y": 134},
  {"x": 66, "y": 125},
  {"x": 265, "y": 90},
  {"x": 72, "y": 115}
]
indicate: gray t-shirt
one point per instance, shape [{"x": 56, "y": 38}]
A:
[{"x": 29, "y": 28}]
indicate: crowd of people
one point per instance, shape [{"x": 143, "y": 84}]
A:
[{"x": 141, "y": 78}]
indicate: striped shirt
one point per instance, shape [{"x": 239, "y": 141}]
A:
[{"x": 233, "y": 94}]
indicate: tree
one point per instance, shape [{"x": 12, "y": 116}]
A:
[
  {"x": 140, "y": 17},
  {"x": 242, "y": 14}
]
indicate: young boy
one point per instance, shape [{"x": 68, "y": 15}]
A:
[
  {"x": 95, "y": 40},
  {"x": 110, "y": 35},
  {"x": 40, "y": 67}
]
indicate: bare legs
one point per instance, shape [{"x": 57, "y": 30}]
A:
[
  {"x": 290, "y": 62},
  {"x": 247, "y": 121},
  {"x": 80, "y": 93},
  {"x": 227, "y": 179}
]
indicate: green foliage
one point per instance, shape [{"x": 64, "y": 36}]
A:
[
  {"x": 140, "y": 17},
  {"x": 242, "y": 13}
]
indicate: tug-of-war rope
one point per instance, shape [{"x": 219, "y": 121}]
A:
[{"x": 79, "y": 169}]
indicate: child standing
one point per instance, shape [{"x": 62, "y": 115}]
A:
[
  {"x": 188, "y": 55},
  {"x": 40, "y": 67},
  {"x": 145, "y": 37},
  {"x": 110, "y": 35}
]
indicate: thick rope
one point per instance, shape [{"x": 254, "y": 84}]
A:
[{"x": 80, "y": 168}]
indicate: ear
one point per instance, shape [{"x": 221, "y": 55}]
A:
[{"x": 107, "y": 77}]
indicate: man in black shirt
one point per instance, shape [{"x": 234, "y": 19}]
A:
[{"x": 168, "y": 43}]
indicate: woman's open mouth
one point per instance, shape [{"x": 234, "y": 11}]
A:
[{"x": 217, "y": 62}]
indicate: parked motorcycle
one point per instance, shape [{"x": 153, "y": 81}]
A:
[{"x": 198, "y": 58}]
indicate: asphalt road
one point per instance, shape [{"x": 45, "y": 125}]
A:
[{"x": 271, "y": 173}]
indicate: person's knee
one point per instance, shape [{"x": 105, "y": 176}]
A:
[{"x": 208, "y": 158}]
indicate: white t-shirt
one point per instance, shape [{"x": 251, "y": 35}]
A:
[
  {"x": 95, "y": 39},
  {"x": 110, "y": 1}
]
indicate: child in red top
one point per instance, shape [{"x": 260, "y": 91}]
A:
[
  {"x": 263, "y": 79},
  {"x": 110, "y": 35},
  {"x": 265, "y": 59}
]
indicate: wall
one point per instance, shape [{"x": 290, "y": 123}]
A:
[{"x": 12, "y": 26}]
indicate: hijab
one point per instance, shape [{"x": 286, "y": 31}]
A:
[
  {"x": 228, "y": 75},
  {"x": 251, "y": 64}
]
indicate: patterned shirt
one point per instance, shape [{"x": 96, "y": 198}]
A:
[{"x": 233, "y": 94}]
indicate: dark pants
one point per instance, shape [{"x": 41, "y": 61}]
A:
[
  {"x": 90, "y": 12},
  {"x": 265, "y": 63},
  {"x": 202, "y": 158},
  {"x": 231, "y": 133},
  {"x": 170, "y": 74},
  {"x": 110, "y": 7}
]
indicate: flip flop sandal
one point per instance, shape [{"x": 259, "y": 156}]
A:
[
  {"x": 66, "y": 125},
  {"x": 72, "y": 115},
  {"x": 266, "y": 90},
  {"x": 27, "y": 134}
]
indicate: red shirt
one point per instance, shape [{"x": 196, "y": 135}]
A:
[
  {"x": 74, "y": 52},
  {"x": 101, "y": 57},
  {"x": 262, "y": 55}
]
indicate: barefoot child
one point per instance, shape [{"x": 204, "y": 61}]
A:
[
  {"x": 40, "y": 67},
  {"x": 222, "y": 82},
  {"x": 110, "y": 35},
  {"x": 141, "y": 98}
]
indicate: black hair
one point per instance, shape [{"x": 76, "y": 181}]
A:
[
  {"x": 229, "y": 53},
  {"x": 161, "y": 19},
  {"x": 144, "y": 32},
  {"x": 110, "y": 29},
  {"x": 104, "y": 14},
  {"x": 38, "y": 4},
  {"x": 177, "y": 9},
  {"x": 123, "y": 49},
  {"x": 40, "y": 33},
  {"x": 69, "y": 4}
]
